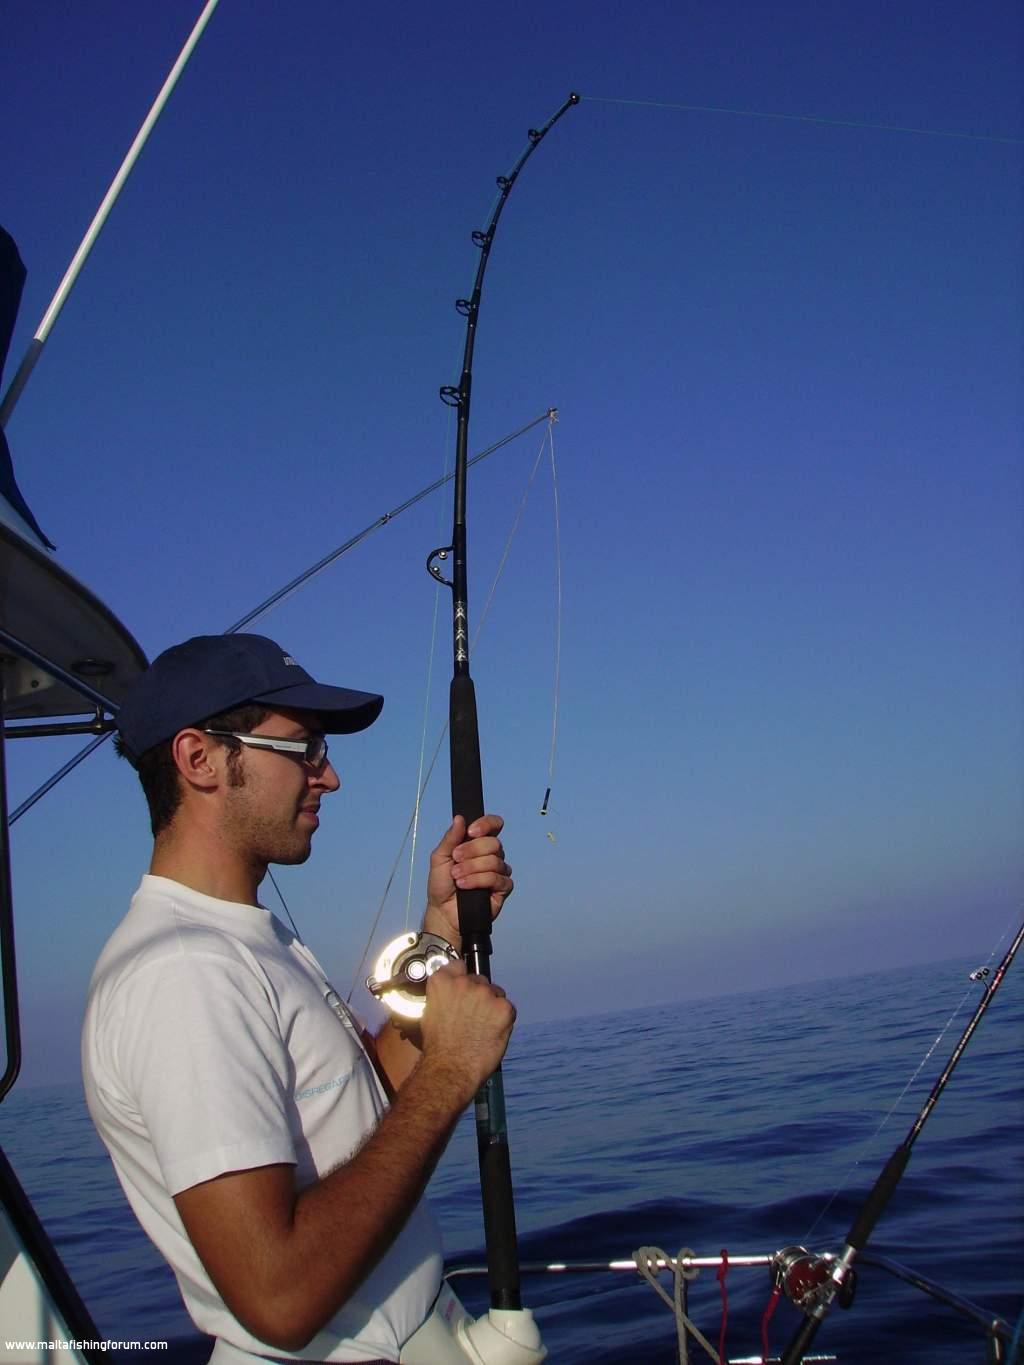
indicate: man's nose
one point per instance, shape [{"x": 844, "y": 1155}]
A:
[{"x": 328, "y": 778}]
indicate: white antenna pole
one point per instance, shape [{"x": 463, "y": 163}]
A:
[{"x": 71, "y": 275}]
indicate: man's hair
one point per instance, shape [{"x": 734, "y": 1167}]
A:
[{"x": 158, "y": 773}]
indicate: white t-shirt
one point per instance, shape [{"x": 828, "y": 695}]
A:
[{"x": 213, "y": 1042}]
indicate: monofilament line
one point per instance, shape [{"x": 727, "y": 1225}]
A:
[
  {"x": 807, "y": 118},
  {"x": 872, "y": 1137},
  {"x": 277, "y": 598},
  {"x": 287, "y": 910},
  {"x": 426, "y": 701},
  {"x": 558, "y": 615},
  {"x": 358, "y": 975},
  {"x": 300, "y": 581}
]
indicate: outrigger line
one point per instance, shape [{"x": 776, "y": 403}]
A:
[
  {"x": 303, "y": 578},
  {"x": 467, "y": 798},
  {"x": 276, "y": 598}
]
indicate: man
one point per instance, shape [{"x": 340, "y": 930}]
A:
[{"x": 274, "y": 1153}]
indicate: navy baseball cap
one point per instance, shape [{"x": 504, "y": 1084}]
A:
[{"x": 213, "y": 673}]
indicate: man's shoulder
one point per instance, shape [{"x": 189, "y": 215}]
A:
[{"x": 166, "y": 923}]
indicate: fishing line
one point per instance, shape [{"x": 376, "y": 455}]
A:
[
  {"x": 805, "y": 118},
  {"x": 837, "y": 1277},
  {"x": 872, "y": 1137},
  {"x": 420, "y": 784},
  {"x": 420, "y": 787},
  {"x": 426, "y": 701},
  {"x": 280, "y": 897},
  {"x": 275, "y": 599},
  {"x": 511, "y": 535},
  {"x": 287, "y": 591},
  {"x": 558, "y": 623},
  {"x": 359, "y": 972}
]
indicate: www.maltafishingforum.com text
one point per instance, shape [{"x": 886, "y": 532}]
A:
[{"x": 60, "y": 1344}]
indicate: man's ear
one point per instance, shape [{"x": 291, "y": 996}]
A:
[{"x": 199, "y": 759}]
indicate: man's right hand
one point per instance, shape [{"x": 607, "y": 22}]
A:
[{"x": 465, "y": 1028}]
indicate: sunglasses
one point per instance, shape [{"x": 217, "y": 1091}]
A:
[{"x": 312, "y": 750}]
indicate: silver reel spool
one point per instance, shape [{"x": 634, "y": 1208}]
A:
[{"x": 399, "y": 979}]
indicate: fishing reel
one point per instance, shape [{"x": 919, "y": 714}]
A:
[
  {"x": 399, "y": 979},
  {"x": 806, "y": 1279}
]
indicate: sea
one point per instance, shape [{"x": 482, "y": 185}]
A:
[{"x": 731, "y": 1126}]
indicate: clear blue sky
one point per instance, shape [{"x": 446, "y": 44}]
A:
[{"x": 787, "y": 361}]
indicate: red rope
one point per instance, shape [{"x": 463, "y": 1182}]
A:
[
  {"x": 765, "y": 1319},
  {"x": 723, "y": 1270}
]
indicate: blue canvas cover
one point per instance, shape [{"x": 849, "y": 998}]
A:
[{"x": 12, "y": 280}]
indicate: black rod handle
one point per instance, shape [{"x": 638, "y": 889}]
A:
[
  {"x": 468, "y": 801},
  {"x": 475, "y": 927},
  {"x": 856, "y": 1240},
  {"x": 496, "y": 1194},
  {"x": 878, "y": 1199},
  {"x": 801, "y": 1341}
]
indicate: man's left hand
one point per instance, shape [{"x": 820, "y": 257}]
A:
[{"x": 467, "y": 859}]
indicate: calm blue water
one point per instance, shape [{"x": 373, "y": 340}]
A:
[{"x": 721, "y": 1123}]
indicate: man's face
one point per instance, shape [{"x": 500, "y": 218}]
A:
[{"x": 272, "y": 799}]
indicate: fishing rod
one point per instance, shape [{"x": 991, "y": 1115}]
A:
[
  {"x": 833, "y": 1279},
  {"x": 467, "y": 782}
]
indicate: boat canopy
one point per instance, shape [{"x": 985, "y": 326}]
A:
[
  {"x": 46, "y": 615},
  {"x": 60, "y": 621}
]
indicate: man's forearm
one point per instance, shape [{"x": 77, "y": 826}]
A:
[
  {"x": 340, "y": 1227},
  {"x": 285, "y": 1262}
]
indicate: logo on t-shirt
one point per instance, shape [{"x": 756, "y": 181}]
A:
[{"x": 319, "y": 1089}]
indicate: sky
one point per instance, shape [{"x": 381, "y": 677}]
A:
[{"x": 786, "y": 359}]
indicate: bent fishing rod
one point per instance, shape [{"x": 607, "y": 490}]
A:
[
  {"x": 833, "y": 1280},
  {"x": 467, "y": 779}
]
